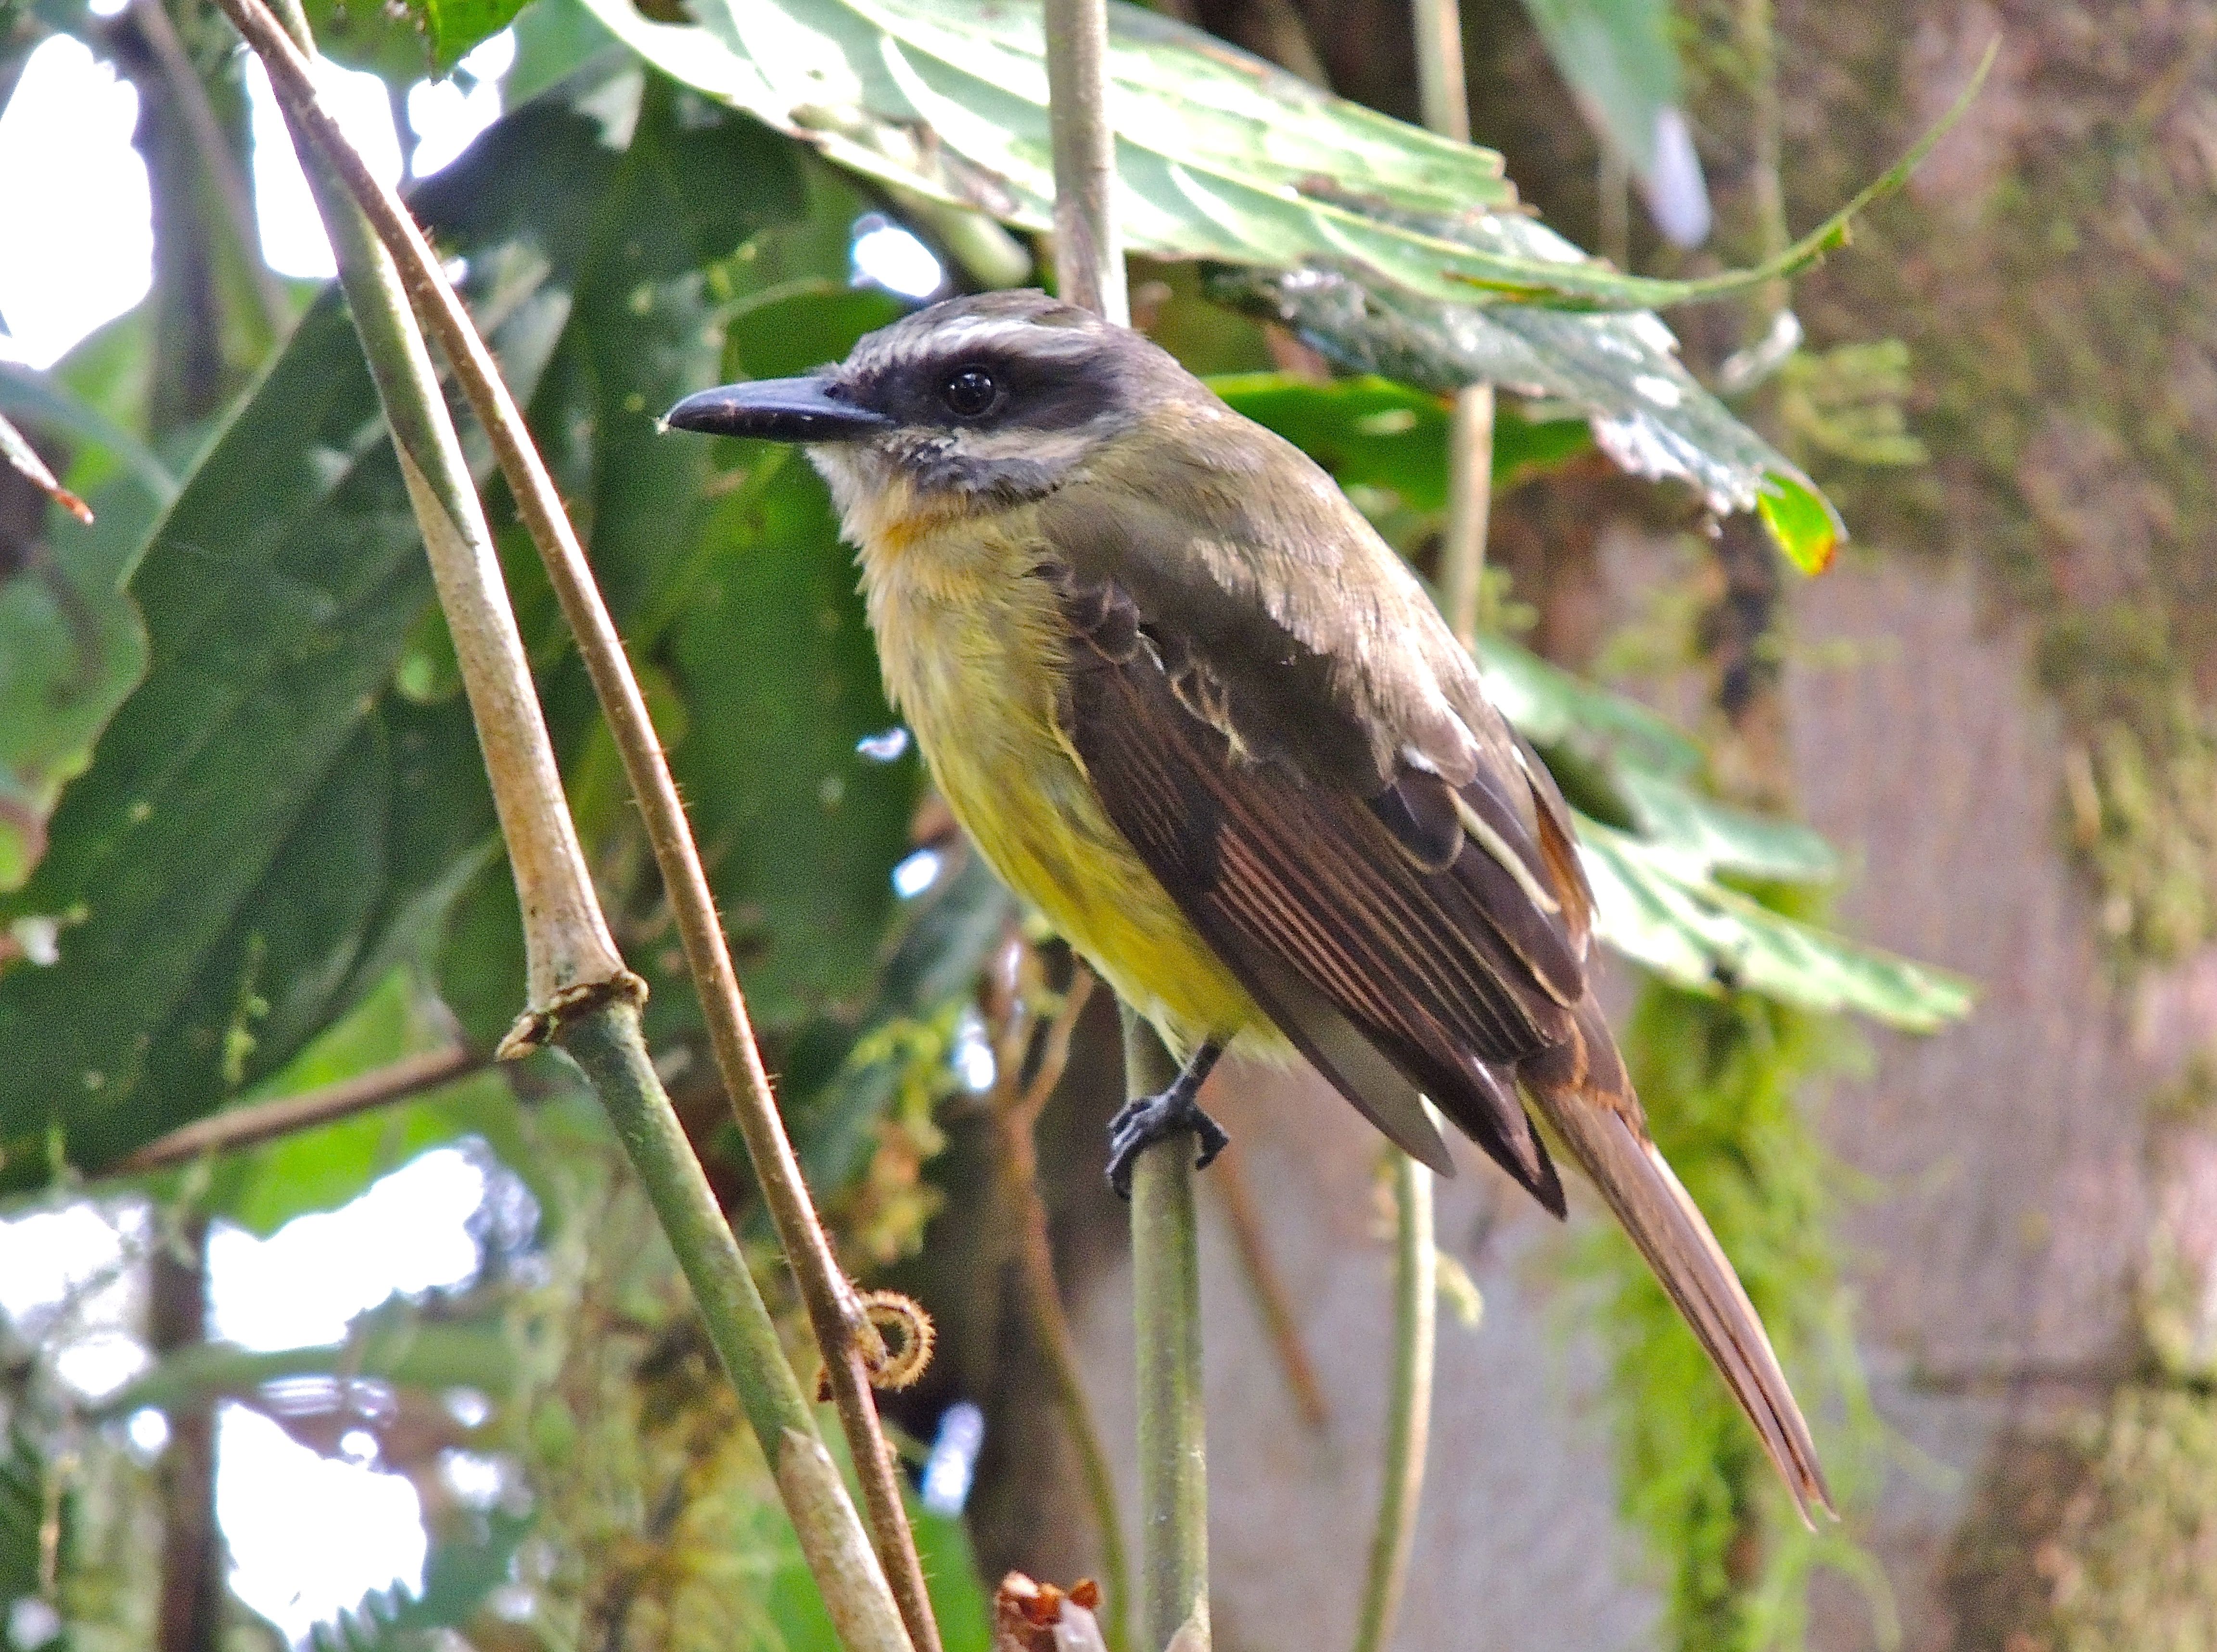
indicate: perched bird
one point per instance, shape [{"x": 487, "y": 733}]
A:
[{"x": 1189, "y": 703}]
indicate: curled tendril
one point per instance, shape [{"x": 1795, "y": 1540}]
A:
[{"x": 907, "y": 1334}]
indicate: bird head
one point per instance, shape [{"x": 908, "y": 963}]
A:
[{"x": 969, "y": 404}]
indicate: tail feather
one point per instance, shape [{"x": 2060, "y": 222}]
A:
[{"x": 1582, "y": 1091}]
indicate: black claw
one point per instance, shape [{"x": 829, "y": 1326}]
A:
[{"x": 1152, "y": 1119}]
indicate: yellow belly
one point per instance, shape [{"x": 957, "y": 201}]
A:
[{"x": 971, "y": 648}]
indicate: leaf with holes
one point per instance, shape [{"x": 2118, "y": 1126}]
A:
[{"x": 1226, "y": 159}]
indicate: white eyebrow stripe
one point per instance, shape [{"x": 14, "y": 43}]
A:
[{"x": 952, "y": 338}]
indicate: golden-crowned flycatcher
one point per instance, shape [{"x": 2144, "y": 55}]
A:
[{"x": 1187, "y": 702}]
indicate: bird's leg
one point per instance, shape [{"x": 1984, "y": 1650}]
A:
[{"x": 1151, "y": 1119}]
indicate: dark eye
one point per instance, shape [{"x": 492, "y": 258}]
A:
[{"x": 970, "y": 392}]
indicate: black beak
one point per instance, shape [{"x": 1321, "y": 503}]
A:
[{"x": 776, "y": 409}]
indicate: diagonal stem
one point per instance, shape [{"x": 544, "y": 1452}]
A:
[
  {"x": 183, "y": 84},
  {"x": 844, "y": 1335},
  {"x": 578, "y": 987},
  {"x": 261, "y": 1121}
]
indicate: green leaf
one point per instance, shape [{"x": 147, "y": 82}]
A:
[
  {"x": 1618, "y": 60},
  {"x": 452, "y": 27},
  {"x": 268, "y": 827},
  {"x": 388, "y": 42},
  {"x": 1222, "y": 156},
  {"x": 1801, "y": 519},
  {"x": 218, "y": 865},
  {"x": 795, "y": 326},
  {"x": 1662, "y": 909},
  {"x": 1552, "y": 708},
  {"x": 1622, "y": 372},
  {"x": 1715, "y": 838},
  {"x": 1655, "y": 862},
  {"x": 1375, "y": 433},
  {"x": 71, "y": 647},
  {"x": 553, "y": 38},
  {"x": 775, "y": 658}
]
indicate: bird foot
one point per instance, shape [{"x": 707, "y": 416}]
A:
[{"x": 1152, "y": 1119}]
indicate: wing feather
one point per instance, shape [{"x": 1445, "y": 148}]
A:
[
  {"x": 1269, "y": 867},
  {"x": 1310, "y": 768}
]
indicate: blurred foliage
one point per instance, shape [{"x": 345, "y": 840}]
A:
[
  {"x": 1848, "y": 403},
  {"x": 659, "y": 1529},
  {"x": 458, "y": 1575},
  {"x": 1620, "y": 62}
]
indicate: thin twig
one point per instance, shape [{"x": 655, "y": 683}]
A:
[
  {"x": 844, "y": 1335},
  {"x": 217, "y": 155},
  {"x": 1271, "y": 1295},
  {"x": 1409, "y": 1412},
  {"x": 1470, "y": 506},
  {"x": 1442, "y": 89},
  {"x": 1089, "y": 247},
  {"x": 578, "y": 985},
  {"x": 1017, "y": 1115},
  {"x": 263, "y": 1121}
]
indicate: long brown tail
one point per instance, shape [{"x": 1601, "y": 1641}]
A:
[{"x": 1583, "y": 1093}]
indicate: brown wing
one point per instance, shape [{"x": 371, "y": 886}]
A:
[
  {"x": 1310, "y": 892},
  {"x": 1273, "y": 714}
]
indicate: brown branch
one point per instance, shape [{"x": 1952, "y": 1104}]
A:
[
  {"x": 1269, "y": 1288},
  {"x": 263, "y": 1121},
  {"x": 217, "y": 155},
  {"x": 842, "y": 1332},
  {"x": 1016, "y": 1113}
]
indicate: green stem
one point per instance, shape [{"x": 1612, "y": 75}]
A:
[
  {"x": 1089, "y": 254},
  {"x": 1166, "y": 1312},
  {"x": 1759, "y": 42},
  {"x": 1441, "y": 89},
  {"x": 1409, "y": 1416},
  {"x": 605, "y": 1045},
  {"x": 1470, "y": 509}
]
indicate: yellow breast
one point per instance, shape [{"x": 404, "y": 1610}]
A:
[{"x": 972, "y": 647}]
